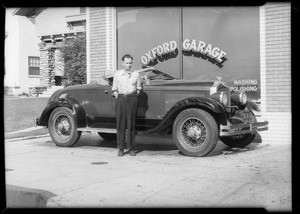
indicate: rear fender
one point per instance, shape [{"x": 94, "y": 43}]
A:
[{"x": 68, "y": 102}]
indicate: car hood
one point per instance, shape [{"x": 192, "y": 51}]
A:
[{"x": 177, "y": 82}]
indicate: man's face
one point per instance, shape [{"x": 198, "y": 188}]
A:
[{"x": 127, "y": 63}]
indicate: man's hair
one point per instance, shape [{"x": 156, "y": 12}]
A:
[{"x": 127, "y": 56}]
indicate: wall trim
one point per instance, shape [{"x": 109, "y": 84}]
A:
[
  {"x": 263, "y": 74},
  {"x": 88, "y": 60}
]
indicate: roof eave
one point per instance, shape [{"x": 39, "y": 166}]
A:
[{"x": 25, "y": 11}]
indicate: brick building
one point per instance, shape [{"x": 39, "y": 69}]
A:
[{"x": 274, "y": 57}]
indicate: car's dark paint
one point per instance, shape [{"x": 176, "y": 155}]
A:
[
  {"x": 156, "y": 111},
  {"x": 207, "y": 104},
  {"x": 69, "y": 102}
]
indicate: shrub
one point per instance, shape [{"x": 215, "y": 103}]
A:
[
  {"x": 74, "y": 54},
  {"x": 24, "y": 94}
]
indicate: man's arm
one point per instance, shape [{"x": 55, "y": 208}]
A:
[
  {"x": 145, "y": 69},
  {"x": 114, "y": 88},
  {"x": 139, "y": 85}
]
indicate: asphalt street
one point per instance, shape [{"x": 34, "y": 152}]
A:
[{"x": 91, "y": 175}]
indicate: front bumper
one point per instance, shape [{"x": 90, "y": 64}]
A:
[{"x": 243, "y": 128}]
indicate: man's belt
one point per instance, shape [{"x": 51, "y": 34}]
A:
[{"x": 129, "y": 95}]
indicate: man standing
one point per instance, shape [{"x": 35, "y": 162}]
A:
[{"x": 126, "y": 87}]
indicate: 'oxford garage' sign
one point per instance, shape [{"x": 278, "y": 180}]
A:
[{"x": 194, "y": 48}]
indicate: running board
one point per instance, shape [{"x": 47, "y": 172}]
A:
[{"x": 103, "y": 130}]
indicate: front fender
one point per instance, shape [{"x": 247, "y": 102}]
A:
[
  {"x": 69, "y": 102},
  {"x": 208, "y": 104},
  {"x": 203, "y": 102}
]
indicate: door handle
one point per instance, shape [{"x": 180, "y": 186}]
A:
[{"x": 106, "y": 91}]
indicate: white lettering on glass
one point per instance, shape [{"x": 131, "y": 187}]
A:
[{"x": 213, "y": 54}]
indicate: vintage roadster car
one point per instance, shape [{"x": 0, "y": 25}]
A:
[{"x": 196, "y": 113}]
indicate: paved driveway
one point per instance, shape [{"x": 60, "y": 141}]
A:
[{"x": 91, "y": 175}]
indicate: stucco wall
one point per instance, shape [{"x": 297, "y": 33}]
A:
[
  {"x": 28, "y": 46},
  {"x": 11, "y": 48},
  {"x": 20, "y": 43}
]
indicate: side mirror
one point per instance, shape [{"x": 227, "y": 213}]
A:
[
  {"x": 109, "y": 76},
  {"x": 147, "y": 80}
]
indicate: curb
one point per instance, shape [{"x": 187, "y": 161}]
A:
[
  {"x": 25, "y": 130},
  {"x": 22, "y": 197},
  {"x": 27, "y": 138}
]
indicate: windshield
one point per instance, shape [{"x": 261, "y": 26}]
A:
[
  {"x": 157, "y": 75},
  {"x": 107, "y": 78}
]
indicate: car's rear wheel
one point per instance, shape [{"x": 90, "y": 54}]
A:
[
  {"x": 240, "y": 141},
  {"x": 195, "y": 132},
  {"x": 62, "y": 127},
  {"x": 108, "y": 136}
]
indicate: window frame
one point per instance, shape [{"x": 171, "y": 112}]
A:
[{"x": 31, "y": 66}]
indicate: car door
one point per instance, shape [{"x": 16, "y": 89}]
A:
[
  {"x": 150, "y": 107},
  {"x": 101, "y": 112}
]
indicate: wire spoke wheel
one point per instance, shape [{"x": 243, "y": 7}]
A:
[
  {"x": 195, "y": 132},
  {"x": 62, "y": 127}
]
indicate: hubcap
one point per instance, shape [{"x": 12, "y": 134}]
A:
[
  {"x": 193, "y": 132},
  {"x": 62, "y": 126}
]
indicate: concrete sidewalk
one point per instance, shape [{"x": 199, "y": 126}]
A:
[
  {"x": 26, "y": 130},
  {"x": 91, "y": 175}
]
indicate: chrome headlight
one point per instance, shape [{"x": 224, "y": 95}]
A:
[
  {"x": 239, "y": 98},
  {"x": 223, "y": 98},
  {"x": 243, "y": 98},
  {"x": 220, "y": 97}
]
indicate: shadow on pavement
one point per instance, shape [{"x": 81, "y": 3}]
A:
[
  {"x": 96, "y": 143},
  {"x": 157, "y": 143},
  {"x": 143, "y": 143},
  {"x": 222, "y": 149}
]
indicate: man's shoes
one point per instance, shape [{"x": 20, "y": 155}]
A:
[
  {"x": 132, "y": 152},
  {"x": 121, "y": 153}
]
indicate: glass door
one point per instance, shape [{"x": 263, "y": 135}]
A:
[{"x": 224, "y": 42}]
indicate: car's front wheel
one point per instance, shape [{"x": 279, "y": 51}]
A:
[
  {"x": 62, "y": 127},
  {"x": 195, "y": 132}
]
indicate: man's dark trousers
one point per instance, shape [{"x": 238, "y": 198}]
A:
[{"x": 126, "y": 110}]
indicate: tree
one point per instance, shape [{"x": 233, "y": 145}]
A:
[{"x": 74, "y": 55}]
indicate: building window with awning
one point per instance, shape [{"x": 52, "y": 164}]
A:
[{"x": 34, "y": 66}]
